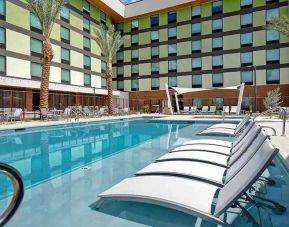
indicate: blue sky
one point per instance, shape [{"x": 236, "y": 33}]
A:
[{"x": 128, "y": 1}]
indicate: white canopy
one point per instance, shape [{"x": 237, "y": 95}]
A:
[{"x": 183, "y": 90}]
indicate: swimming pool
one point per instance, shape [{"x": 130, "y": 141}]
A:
[{"x": 59, "y": 192}]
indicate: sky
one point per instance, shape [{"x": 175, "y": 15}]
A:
[{"x": 128, "y": 1}]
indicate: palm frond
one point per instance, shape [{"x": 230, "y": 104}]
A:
[
  {"x": 280, "y": 24},
  {"x": 46, "y": 11}
]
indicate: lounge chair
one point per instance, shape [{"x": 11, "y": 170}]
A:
[
  {"x": 212, "y": 109},
  {"x": 87, "y": 112},
  {"x": 233, "y": 110},
  {"x": 16, "y": 115},
  {"x": 226, "y": 109},
  {"x": 192, "y": 195},
  {"x": 244, "y": 121},
  {"x": 194, "y": 109},
  {"x": 126, "y": 110},
  {"x": 186, "y": 109},
  {"x": 205, "y": 109}
]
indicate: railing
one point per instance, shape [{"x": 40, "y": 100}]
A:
[
  {"x": 18, "y": 192},
  {"x": 284, "y": 120}
]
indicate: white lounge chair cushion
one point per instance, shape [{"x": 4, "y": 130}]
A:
[
  {"x": 210, "y": 141},
  {"x": 202, "y": 147},
  {"x": 219, "y": 131},
  {"x": 187, "y": 168},
  {"x": 224, "y": 125},
  {"x": 197, "y": 155}
]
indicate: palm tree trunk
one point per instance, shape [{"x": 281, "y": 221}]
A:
[
  {"x": 47, "y": 55},
  {"x": 108, "y": 75}
]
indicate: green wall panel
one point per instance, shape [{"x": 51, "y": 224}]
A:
[
  {"x": 231, "y": 23},
  {"x": 231, "y": 6},
  {"x": 17, "y": 16},
  {"x": 184, "y": 14}
]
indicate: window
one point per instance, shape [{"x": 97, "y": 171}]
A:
[
  {"x": 154, "y": 20},
  {"x": 172, "y": 33},
  {"x": 65, "y": 76},
  {"x": 2, "y": 65},
  {"x": 217, "y": 7},
  {"x": 87, "y": 79},
  {"x": 246, "y": 20},
  {"x": 217, "y": 25},
  {"x": 196, "y": 11},
  {"x": 86, "y": 24},
  {"x": 247, "y": 103},
  {"x": 246, "y": 58},
  {"x": 134, "y": 54},
  {"x": 103, "y": 66},
  {"x": 119, "y": 56},
  {"x": 134, "y": 84},
  {"x": 172, "y": 49},
  {"x": 155, "y": 52},
  {"x": 272, "y": 37},
  {"x": 247, "y": 77},
  {"x": 35, "y": 47},
  {"x": 217, "y": 80},
  {"x": 2, "y": 37},
  {"x": 103, "y": 18},
  {"x": 196, "y": 29},
  {"x": 197, "y": 102},
  {"x": 120, "y": 85},
  {"x": 155, "y": 36},
  {"x": 246, "y": 4},
  {"x": 273, "y": 56},
  {"x": 119, "y": 27},
  {"x": 218, "y": 61},
  {"x": 155, "y": 84},
  {"x": 120, "y": 71},
  {"x": 65, "y": 35},
  {"x": 196, "y": 81},
  {"x": 246, "y": 39},
  {"x": 86, "y": 62},
  {"x": 172, "y": 66},
  {"x": 103, "y": 82},
  {"x": 172, "y": 17},
  {"x": 65, "y": 14},
  {"x": 173, "y": 81},
  {"x": 86, "y": 6},
  {"x": 196, "y": 46},
  {"x": 217, "y": 43},
  {"x": 134, "y": 70},
  {"x": 86, "y": 43},
  {"x": 155, "y": 67},
  {"x": 2, "y": 9},
  {"x": 134, "y": 25},
  {"x": 196, "y": 63},
  {"x": 36, "y": 70},
  {"x": 134, "y": 39},
  {"x": 219, "y": 103},
  {"x": 65, "y": 55},
  {"x": 35, "y": 23},
  {"x": 273, "y": 76},
  {"x": 272, "y": 13}
]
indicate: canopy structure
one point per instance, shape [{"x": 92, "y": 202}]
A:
[{"x": 182, "y": 90}]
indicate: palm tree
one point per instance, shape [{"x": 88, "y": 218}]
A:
[
  {"x": 46, "y": 11},
  {"x": 109, "y": 40},
  {"x": 280, "y": 24}
]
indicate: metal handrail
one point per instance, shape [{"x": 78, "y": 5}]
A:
[{"x": 18, "y": 192}]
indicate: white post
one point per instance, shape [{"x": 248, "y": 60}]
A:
[
  {"x": 240, "y": 98},
  {"x": 177, "y": 102},
  {"x": 169, "y": 99}
]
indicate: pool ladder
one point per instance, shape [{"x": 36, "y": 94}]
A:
[{"x": 18, "y": 192}]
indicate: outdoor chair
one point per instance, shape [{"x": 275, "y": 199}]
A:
[
  {"x": 126, "y": 110},
  {"x": 46, "y": 115},
  {"x": 233, "y": 110},
  {"x": 194, "y": 109},
  {"x": 213, "y": 109},
  {"x": 15, "y": 115},
  {"x": 244, "y": 121},
  {"x": 186, "y": 109},
  {"x": 226, "y": 109},
  {"x": 205, "y": 109}
]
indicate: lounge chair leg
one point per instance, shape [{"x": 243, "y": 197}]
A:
[{"x": 247, "y": 214}]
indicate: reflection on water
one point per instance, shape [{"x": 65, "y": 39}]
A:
[{"x": 41, "y": 155}]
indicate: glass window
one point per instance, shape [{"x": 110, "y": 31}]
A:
[
  {"x": 196, "y": 28},
  {"x": 103, "y": 82},
  {"x": 119, "y": 27},
  {"x": 218, "y": 43},
  {"x": 196, "y": 11},
  {"x": 154, "y": 20},
  {"x": 217, "y": 61},
  {"x": 65, "y": 75},
  {"x": 196, "y": 63},
  {"x": 273, "y": 76},
  {"x": 155, "y": 51},
  {"x": 155, "y": 35},
  {"x": 172, "y": 32},
  {"x": 172, "y": 48},
  {"x": 172, "y": 65},
  {"x": 245, "y": 3},
  {"x": 2, "y": 8},
  {"x": 134, "y": 39},
  {"x": 36, "y": 46},
  {"x": 86, "y": 24},
  {"x": 86, "y": 5},
  {"x": 36, "y": 69},
  {"x": 155, "y": 83},
  {"x": 272, "y": 13},
  {"x": 172, "y": 17},
  {"x": 217, "y": 7},
  {"x": 218, "y": 80},
  {"x": 246, "y": 39},
  {"x": 134, "y": 24},
  {"x": 196, "y": 46},
  {"x": 173, "y": 81},
  {"x": 246, "y": 58},
  {"x": 65, "y": 13},
  {"x": 87, "y": 79},
  {"x": 273, "y": 55},
  {"x": 155, "y": 67},
  {"x": 65, "y": 54},
  {"x": 86, "y": 61},
  {"x": 120, "y": 71},
  {"x": 65, "y": 33},
  {"x": 103, "y": 66},
  {"x": 246, "y": 19},
  {"x": 134, "y": 54},
  {"x": 120, "y": 85},
  {"x": 102, "y": 17},
  {"x": 134, "y": 84},
  {"x": 219, "y": 102},
  {"x": 247, "y": 77},
  {"x": 2, "y": 64},
  {"x": 134, "y": 69},
  {"x": 119, "y": 56},
  {"x": 2, "y": 35},
  {"x": 197, "y": 102},
  {"x": 196, "y": 81},
  {"x": 247, "y": 102},
  {"x": 272, "y": 36},
  {"x": 86, "y": 43},
  {"x": 34, "y": 21},
  {"x": 217, "y": 24}
]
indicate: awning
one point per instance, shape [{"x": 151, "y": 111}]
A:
[{"x": 183, "y": 90}]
